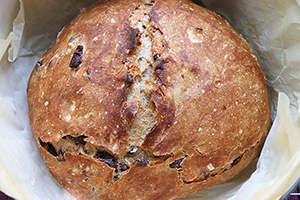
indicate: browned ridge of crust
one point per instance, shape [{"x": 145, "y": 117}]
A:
[{"x": 147, "y": 100}]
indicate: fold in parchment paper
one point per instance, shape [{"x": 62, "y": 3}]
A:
[{"x": 272, "y": 28}]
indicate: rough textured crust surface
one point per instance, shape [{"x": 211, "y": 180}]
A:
[{"x": 147, "y": 100}]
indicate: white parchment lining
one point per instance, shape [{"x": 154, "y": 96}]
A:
[{"x": 272, "y": 27}]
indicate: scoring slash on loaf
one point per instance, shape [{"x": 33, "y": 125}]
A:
[{"x": 152, "y": 99}]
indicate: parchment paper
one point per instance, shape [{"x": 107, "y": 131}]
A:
[{"x": 28, "y": 27}]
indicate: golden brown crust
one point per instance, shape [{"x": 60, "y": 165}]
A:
[{"x": 206, "y": 101}]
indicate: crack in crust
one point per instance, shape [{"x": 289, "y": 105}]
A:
[
  {"x": 79, "y": 146},
  {"x": 143, "y": 75},
  {"x": 211, "y": 172},
  {"x": 135, "y": 154}
]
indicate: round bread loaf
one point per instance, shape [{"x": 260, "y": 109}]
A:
[{"x": 147, "y": 100}]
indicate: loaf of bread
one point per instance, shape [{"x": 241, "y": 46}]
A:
[{"x": 147, "y": 99}]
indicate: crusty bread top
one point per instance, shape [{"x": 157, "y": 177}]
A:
[{"x": 163, "y": 87}]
